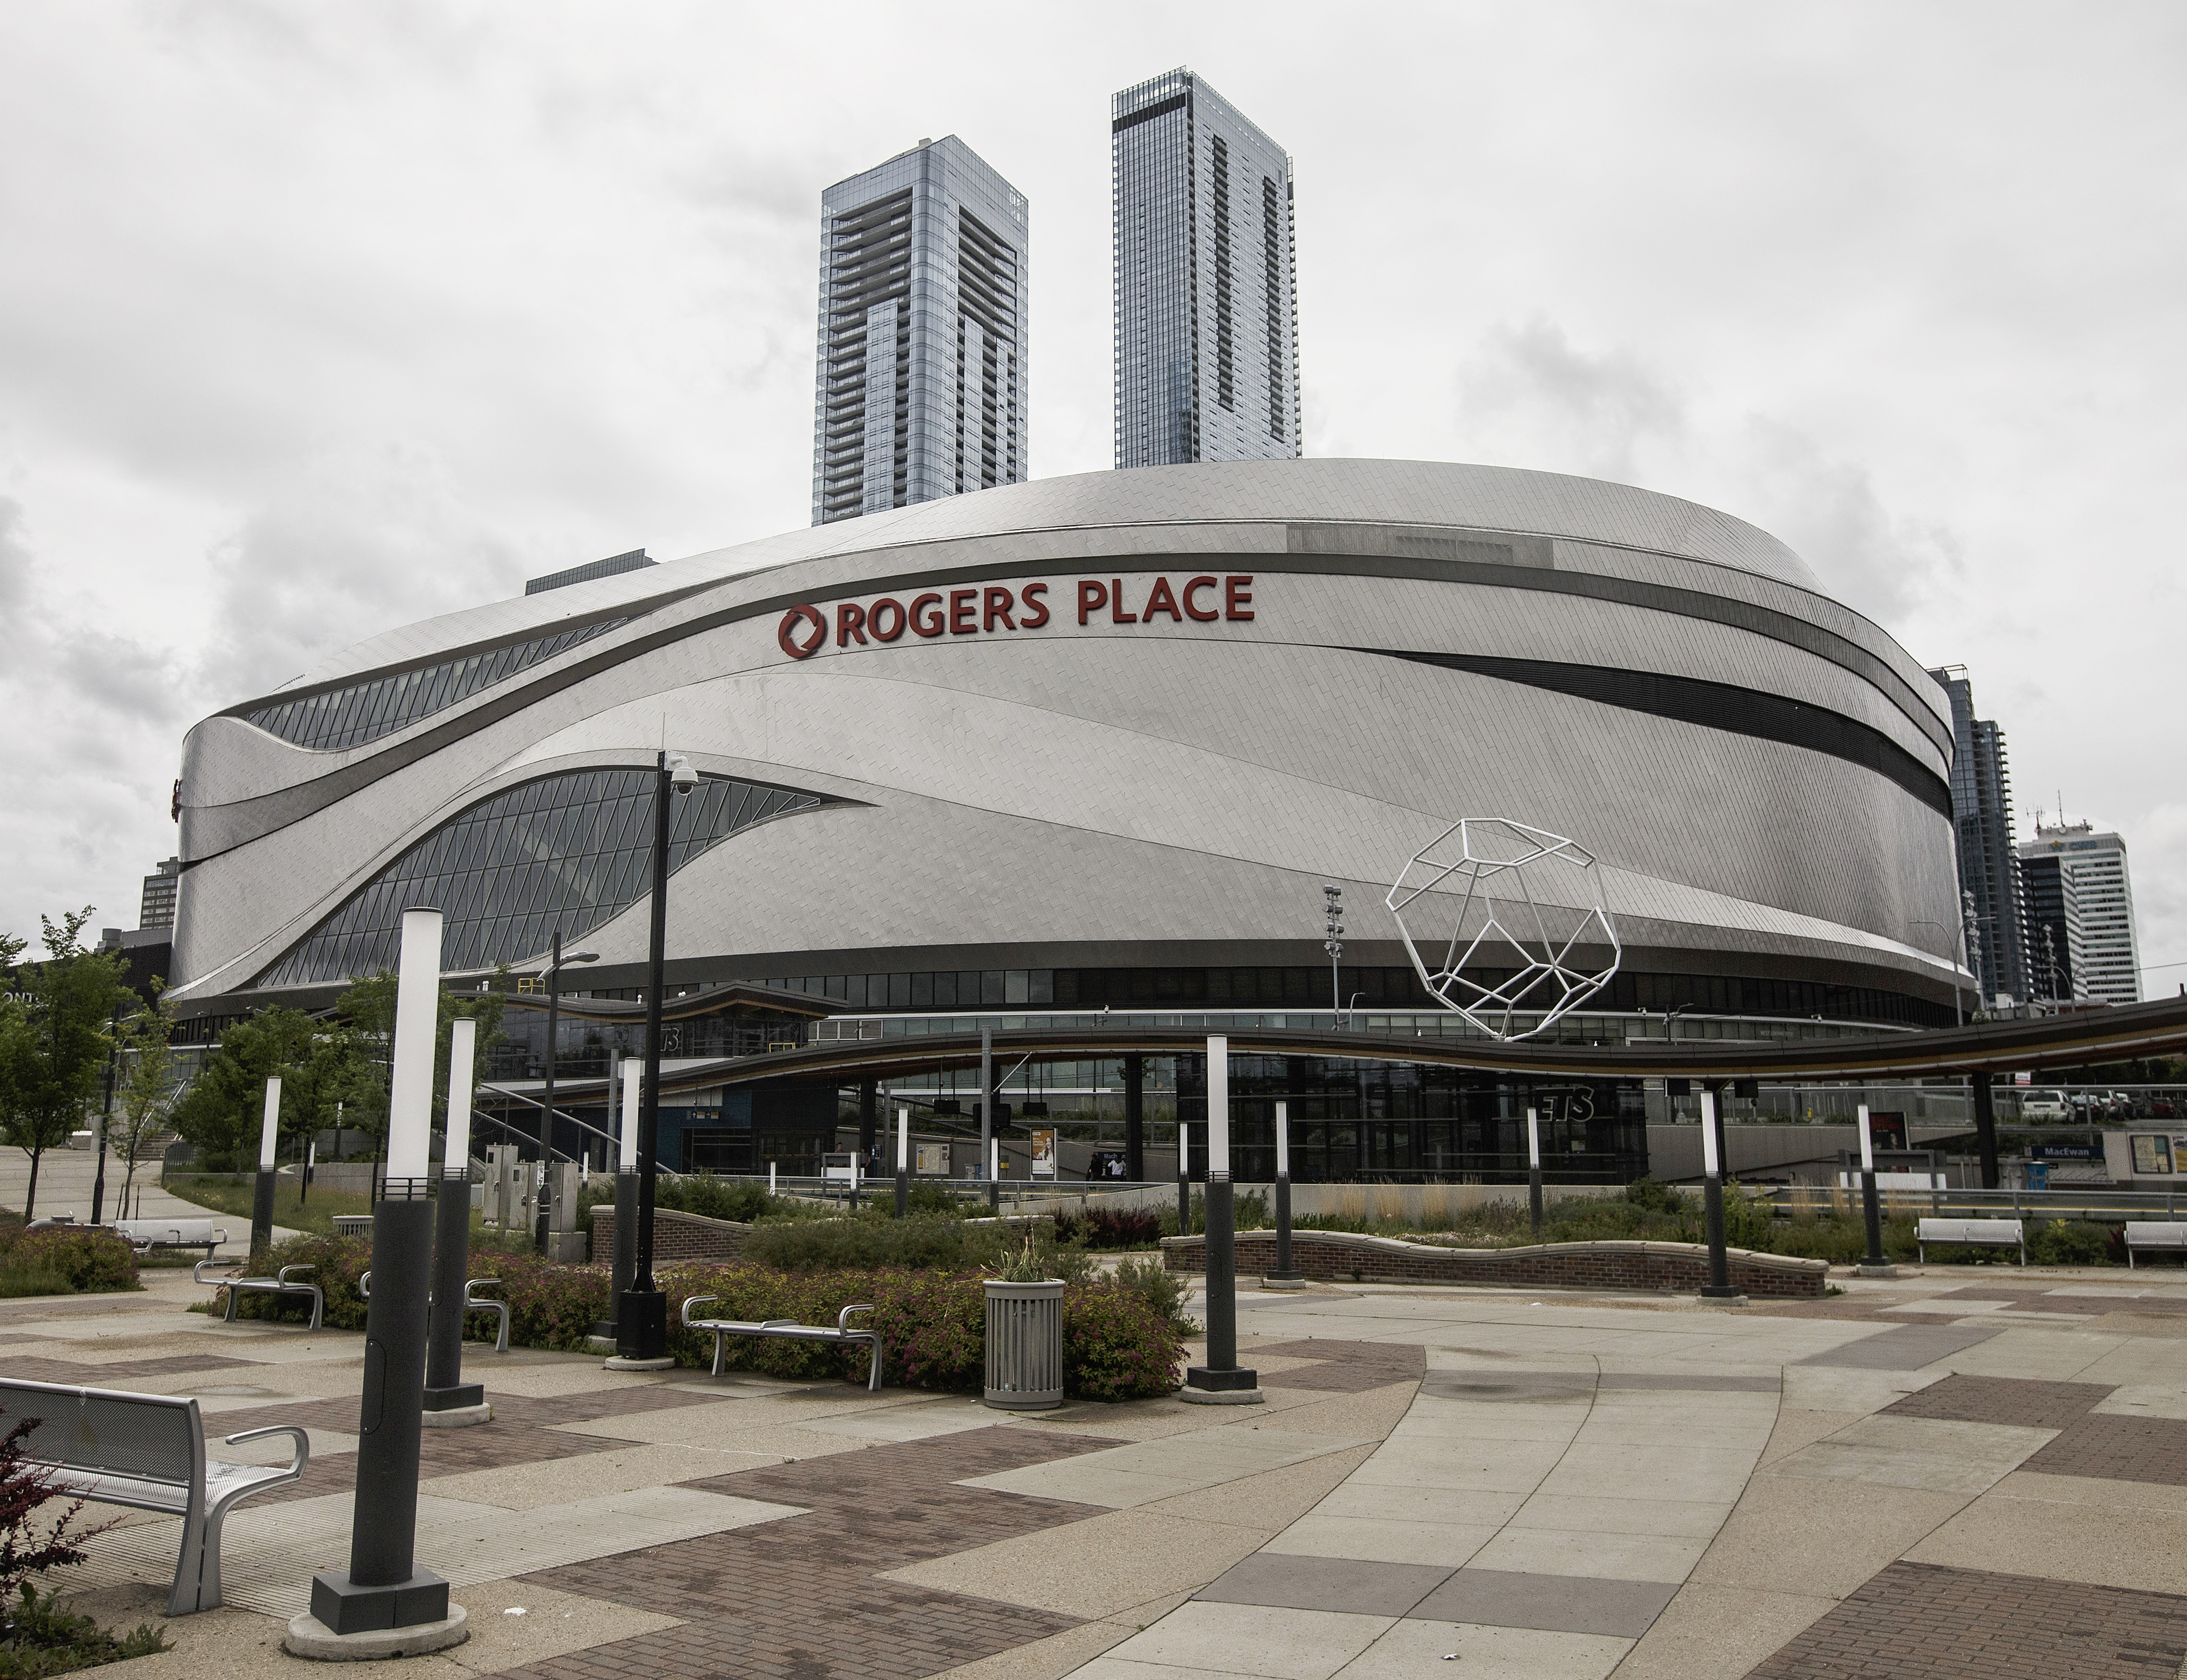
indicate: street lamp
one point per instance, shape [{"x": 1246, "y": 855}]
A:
[
  {"x": 642, "y": 1315},
  {"x": 1959, "y": 1011},
  {"x": 1333, "y": 921},
  {"x": 553, "y": 972}
]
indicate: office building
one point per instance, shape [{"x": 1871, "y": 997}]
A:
[
  {"x": 2089, "y": 870},
  {"x": 922, "y": 375},
  {"x": 2057, "y": 965},
  {"x": 1989, "y": 869},
  {"x": 156, "y": 908},
  {"x": 1207, "y": 293},
  {"x": 951, "y": 769}
]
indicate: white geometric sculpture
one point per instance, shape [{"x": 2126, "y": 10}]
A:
[{"x": 1535, "y": 892}]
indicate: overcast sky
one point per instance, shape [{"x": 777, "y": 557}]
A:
[{"x": 316, "y": 319}]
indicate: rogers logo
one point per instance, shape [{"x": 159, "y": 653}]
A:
[{"x": 992, "y": 609}]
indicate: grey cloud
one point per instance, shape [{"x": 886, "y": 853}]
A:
[{"x": 1595, "y": 412}]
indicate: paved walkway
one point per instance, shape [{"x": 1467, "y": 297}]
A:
[
  {"x": 1977, "y": 1473},
  {"x": 66, "y": 1178}
]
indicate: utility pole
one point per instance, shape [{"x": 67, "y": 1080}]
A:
[{"x": 1332, "y": 920}]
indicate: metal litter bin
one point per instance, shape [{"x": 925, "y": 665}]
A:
[{"x": 1024, "y": 1346}]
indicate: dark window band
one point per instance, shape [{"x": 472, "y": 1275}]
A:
[
  {"x": 1160, "y": 108},
  {"x": 1714, "y": 705}
]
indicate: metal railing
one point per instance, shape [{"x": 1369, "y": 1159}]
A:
[{"x": 2072, "y": 1201}]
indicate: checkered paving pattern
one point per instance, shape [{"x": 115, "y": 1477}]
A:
[
  {"x": 541, "y": 1410},
  {"x": 797, "y": 1599},
  {"x": 2122, "y": 1449},
  {"x": 1950, "y": 1624},
  {"x": 2002, "y": 1400},
  {"x": 1343, "y": 1366},
  {"x": 83, "y": 1374}
]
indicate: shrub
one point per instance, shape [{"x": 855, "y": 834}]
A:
[
  {"x": 1654, "y": 1196},
  {"x": 1161, "y": 1289},
  {"x": 847, "y": 1244},
  {"x": 713, "y": 1197},
  {"x": 2068, "y": 1242},
  {"x": 1116, "y": 1346},
  {"x": 44, "y": 1639},
  {"x": 64, "y": 1260},
  {"x": 1109, "y": 1228}
]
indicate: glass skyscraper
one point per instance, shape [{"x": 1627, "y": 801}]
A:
[
  {"x": 1989, "y": 866},
  {"x": 922, "y": 351},
  {"x": 1206, "y": 296}
]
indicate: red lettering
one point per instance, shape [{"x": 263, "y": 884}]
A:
[
  {"x": 1092, "y": 596},
  {"x": 926, "y": 626},
  {"x": 963, "y": 603},
  {"x": 1116, "y": 613},
  {"x": 1032, "y": 593},
  {"x": 1237, "y": 598},
  {"x": 1190, "y": 611},
  {"x": 894, "y": 608},
  {"x": 795, "y": 617},
  {"x": 998, "y": 606},
  {"x": 1159, "y": 600},
  {"x": 850, "y": 624}
]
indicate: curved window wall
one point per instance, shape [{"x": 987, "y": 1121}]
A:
[
  {"x": 565, "y": 853},
  {"x": 336, "y": 718}
]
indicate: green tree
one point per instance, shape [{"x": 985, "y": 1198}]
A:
[
  {"x": 320, "y": 1065},
  {"x": 368, "y": 1006},
  {"x": 146, "y": 1091},
  {"x": 54, "y": 1037}
]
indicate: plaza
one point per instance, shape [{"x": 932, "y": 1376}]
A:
[{"x": 1954, "y": 1473}]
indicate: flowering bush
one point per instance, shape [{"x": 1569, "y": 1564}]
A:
[
  {"x": 1117, "y": 1347},
  {"x": 64, "y": 1260}
]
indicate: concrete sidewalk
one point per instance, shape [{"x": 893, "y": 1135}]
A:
[
  {"x": 1978, "y": 1472},
  {"x": 65, "y": 1180}
]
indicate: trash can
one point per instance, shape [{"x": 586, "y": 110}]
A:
[{"x": 1025, "y": 1345}]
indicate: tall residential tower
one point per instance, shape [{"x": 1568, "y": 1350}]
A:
[
  {"x": 922, "y": 355},
  {"x": 2084, "y": 873},
  {"x": 1989, "y": 869},
  {"x": 1206, "y": 296}
]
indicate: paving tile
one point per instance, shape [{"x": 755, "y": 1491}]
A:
[
  {"x": 2002, "y": 1400},
  {"x": 1697, "y": 1382},
  {"x": 2119, "y": 1543},
  {"x": 1324, "y": 1583},
  {"x": 1906, "y": 1348},
  {"x": 1678, "y": 1519},
  {"x": 1407, "y": 1650},
  {"x": 1560, "y": 1604},
  {"x": 1205, "y": 1637},
  {"x": 1388, "y": 1539},
  {"x": 1507, "y": 1385},
  {"x": 1145, "y": 1471},
  {"x": 2122, "y": 1449},
  {"x": 1583, "y": 1552},
  {"x": 1404, "y": 1500},
  {"x": 1935, "y": 1453},
  {"x": 1951, "y": 1624}
]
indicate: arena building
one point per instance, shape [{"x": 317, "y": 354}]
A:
[{"x": 1097, "y": 743}]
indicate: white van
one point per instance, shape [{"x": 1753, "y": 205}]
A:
[{"x": 2044, "y": 1106}]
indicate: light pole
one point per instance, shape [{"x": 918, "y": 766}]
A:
[
  {"x": 261, "y": 1198},
  {"x": 1958, "y": 1010},
  {"x": 903, "y": 1162},
  {"x": 547, "y": 1113},
  {"x": 988, "y": 1148},
  {"x": 642, "y": 1318},
  {"x": 449, "y": 1400},
  {"x": 1875, "y": 1266},
  {"x": 1534, "y": 1170},
  {"x": 384, "y": 1605},
  {"x": 1222, "y": 1381},
  {"x": 1332, "y": 904}
]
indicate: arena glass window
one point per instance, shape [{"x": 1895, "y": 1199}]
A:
[
  {"x": 565, "y": 853},
  {"x": 349, "y": 716}
]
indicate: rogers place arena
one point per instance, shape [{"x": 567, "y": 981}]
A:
[{"x": 1097, "y": 743}]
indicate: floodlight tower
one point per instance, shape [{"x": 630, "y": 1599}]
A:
[{"x": 1333, "y": 916}]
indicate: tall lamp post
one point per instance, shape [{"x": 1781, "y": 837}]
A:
[
  {"x": 261, "y": 1198},
  {"x": 1719, "y": 1286},
  {"x": 1534, "y": 1170},
  {"x": 547, "y": 1113},
  {"x": 450, "y": 1402},
  {"x": 1875, "y": 1265},
  {"x": 1222, "y": 1381},
  {"x": 1958, "y": 1008},
  {"x": 1332, "y": 899},
  {"x": 384, "y": 1605},
  {"x": 1285, "y": 1276},
  {"x": 642, "y": 1315}
]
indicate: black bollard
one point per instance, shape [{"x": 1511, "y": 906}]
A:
[
  {"x": 1285, "y": 1276},
  {"x": 262, "y": 1196},
  {"x": 384, "y": 1588},
  {"x": 1221, "y": 1380},
  {"x": 446, "y": 1390}
]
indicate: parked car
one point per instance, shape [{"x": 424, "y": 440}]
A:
[
  {"x": 2163, "y": 1108},
  {"x": 2044, "y": 1105}
]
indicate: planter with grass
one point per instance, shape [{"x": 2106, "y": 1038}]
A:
[{"x": 1024, "y": 1334}]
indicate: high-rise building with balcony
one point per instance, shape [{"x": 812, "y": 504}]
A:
[
  {"x": 2086, "y": 872},
  {"x": 922, "y": 345},
  {"x": 1207, "y": 292},
  {"x": 1989, "y": 867}
]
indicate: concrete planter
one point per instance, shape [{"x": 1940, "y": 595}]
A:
[
  {"x": 1024, "y": 1346},
  {"x": 352, "y": 1225}
]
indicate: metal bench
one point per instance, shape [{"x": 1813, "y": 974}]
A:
[
  {"x": 1979, "y": 1233},
  {"x": 281, "y": 1285},
  {"x": 145, "y": 1234},
  {"x": 2154, "y": 1233},
  {"x": 147, "y": 1452},
  {"x": 473, "y": 1302},
  {"x": 788, "y": 1329}
]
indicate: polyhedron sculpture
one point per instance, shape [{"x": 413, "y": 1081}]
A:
[{"x": 1524, "y": 895}]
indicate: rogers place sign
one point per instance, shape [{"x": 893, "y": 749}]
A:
[{"x": 991, "y": 609}]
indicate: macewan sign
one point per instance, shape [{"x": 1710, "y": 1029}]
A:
[{"x": 991, "y": 609}]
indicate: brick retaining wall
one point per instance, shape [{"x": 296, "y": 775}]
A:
[
  {"x": 1342, "y": 1256},
  {"x": 676, "y": 1236}
]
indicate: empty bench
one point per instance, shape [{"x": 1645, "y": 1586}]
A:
[
  {"x": 2154, "y": 1233},
  {"x": 147, "y": 1452},
  {"x": 1979, "y": 1233},
  {"x": 788, "y": 1329},
  {"x": 473, "y": 1302},
  {"x": 285, "y": 1284},
  {"x": 146, "y": 1234}
]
